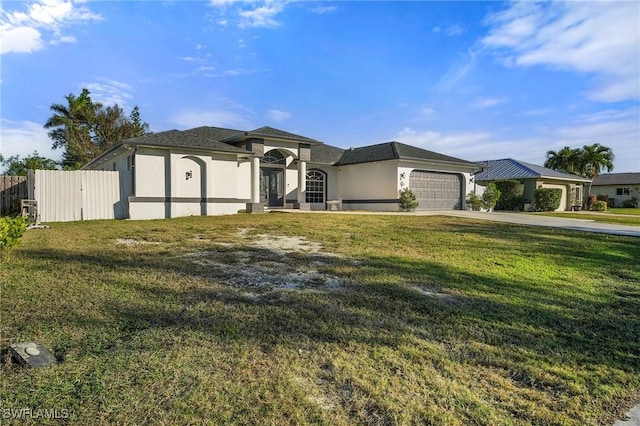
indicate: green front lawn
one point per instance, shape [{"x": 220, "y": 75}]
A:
[
  {"x": 630, "y": 212},
  {"x": 621, "y": 216},
  {"x": 398, "y": 320}
]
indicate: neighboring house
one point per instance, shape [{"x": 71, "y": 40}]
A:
[
  {"x": 618, "y": 187},
  {"x": 534, "y": 177},
  {"x": 211, "y": 170}
]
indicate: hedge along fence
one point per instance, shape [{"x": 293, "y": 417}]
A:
[
  {"x": 12, "y": 190},
  {"x": 547, "y": 199}
]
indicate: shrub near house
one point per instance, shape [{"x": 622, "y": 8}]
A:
[
  {"x": 547, "y": 199},
  {"x": 511, "y": 192}
]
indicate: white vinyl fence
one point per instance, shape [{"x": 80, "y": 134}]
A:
[{"x": 65, "y": 196}]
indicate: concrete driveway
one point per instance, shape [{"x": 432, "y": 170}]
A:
[
  {"x": 548, "y": 221},
  {"x": 585, "y": 225}
]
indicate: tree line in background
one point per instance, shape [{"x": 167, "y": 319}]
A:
[{"x": 83, "y": 129}]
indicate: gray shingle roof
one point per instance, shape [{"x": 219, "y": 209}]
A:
[
  {"x": 195, "y": 138},
  {"x": 394, "y": 151},
  {"x": 325, "y": 154},
  {"x": 617, "y": 179},
  {"x": 215, "y": 133},
  {"x": 277, "y": 133},
  {"x": 509, "y": 168}
]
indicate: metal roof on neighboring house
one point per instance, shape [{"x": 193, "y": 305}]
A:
[
  {"x": 394, "y": 151},
  {"x": 617, "y": 179},
  {"x": 509, "y": 168}
]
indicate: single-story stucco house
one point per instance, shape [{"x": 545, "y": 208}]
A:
[
  {"x": 534, "y": 177},
  {"x": 211, "y": 170},
  {"x": 618, "y": 187}
]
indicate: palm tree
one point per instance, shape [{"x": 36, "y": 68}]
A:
[
  {"x": 563, "y": 160},
  {"x": 594, "y": 158},
  {"x": 71, "y": 128}
]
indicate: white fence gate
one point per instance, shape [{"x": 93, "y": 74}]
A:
[{"x": 65, "y": 196}]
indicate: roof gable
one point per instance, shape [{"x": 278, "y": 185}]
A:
[{"x": 279, "y": 134}]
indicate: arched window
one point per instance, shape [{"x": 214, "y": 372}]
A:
[
  {"x": 273, "y": 157},
  {"x": 315, "y": 186}
]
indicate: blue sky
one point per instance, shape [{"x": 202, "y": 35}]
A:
[{"x": 475, "y": 80}]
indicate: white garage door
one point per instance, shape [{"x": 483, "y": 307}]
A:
[{"x": 436, "y": 191}]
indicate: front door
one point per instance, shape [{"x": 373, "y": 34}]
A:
[{"x": 272, "y": 187}]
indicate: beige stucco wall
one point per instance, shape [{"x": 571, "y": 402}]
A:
[
  {"x": 385, "y": 179},
  {"x": 566, "y": 192},
  {"x": 368, "y": 181},
  {"x": 150, "y": 172},
  {"x": 162, "y": 174}
]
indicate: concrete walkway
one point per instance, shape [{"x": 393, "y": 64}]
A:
[
  {"x": 585, "y": 225},
  {"x": 633, "y": 418}
]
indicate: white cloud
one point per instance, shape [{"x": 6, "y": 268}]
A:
[
  {"x": 450, "y": 31},
  {"x": 203, "y": 69},
  {"x": 537, "y": 112},
  {"x": 263, "y": 16},
  {"x": 617, "y": 129},
  {"x": 23, "y": 32},
  {"x": 488, "y": 102},
  {"x": 20, "y": 40},
  {"x": 456, "y": 144},
  {"x": 191, "y": 118},
  {"x": 250, "y": 13},
  {"x": 321, "y": 10},
  {"x": 278, "y": 115},
  {"x": 601, "y": 39},
  {"x": 454, "y": 30},
  {"x": 23, "y": 138},
  {"x": 464, "y": 64},
  {"x": 109, "y": 92},
  {"x": 63, "y": 39}
]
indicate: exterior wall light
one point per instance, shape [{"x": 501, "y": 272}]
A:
[{"x": 188, "y": 175}]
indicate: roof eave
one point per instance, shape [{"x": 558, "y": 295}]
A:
[
  {"x": 196, "y": 148},
  {"x": 102, "y": 157},
  {"x": 469, "y": 165}
]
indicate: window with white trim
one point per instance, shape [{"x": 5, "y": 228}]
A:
[
  {"x": 315, "y": 186},
  {"x": 273, "y": 157},
  {"x": 623, "y": 191}
]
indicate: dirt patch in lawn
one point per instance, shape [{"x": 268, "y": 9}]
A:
[
  {"x": 434, "y": 293},
  {"x": 265, "y": 262},
  {"x": 132, "y": 242}
]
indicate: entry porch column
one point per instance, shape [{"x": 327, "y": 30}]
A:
[
  {"x": 255, "y": 206},
  {"x": 302, "y": 187}
]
